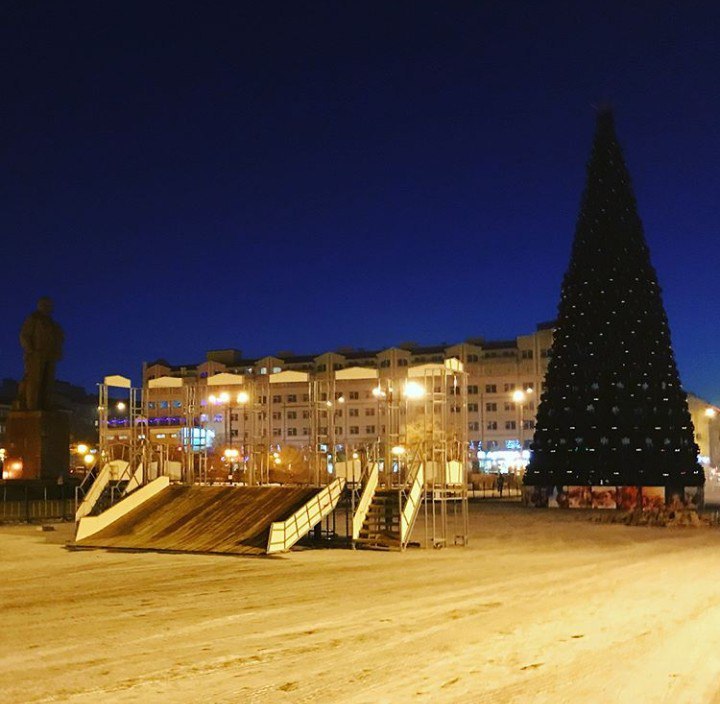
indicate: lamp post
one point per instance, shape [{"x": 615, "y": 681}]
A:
[
  {"x": 519, "y": 397},
  {"x": 223, "y": 399},
  {"x": 412, "y": 391},
  {"x": 243, "y": 398}
]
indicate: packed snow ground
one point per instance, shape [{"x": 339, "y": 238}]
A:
[{"x": 542, "y": 606}]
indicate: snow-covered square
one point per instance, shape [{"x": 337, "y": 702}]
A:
[{"x": 542, "y": 606}]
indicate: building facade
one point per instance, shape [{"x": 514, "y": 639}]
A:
[
  {"x": 706, "y": 420},
  {"x": 223, "y": 396},
  {"x": 227, "y": 394}
]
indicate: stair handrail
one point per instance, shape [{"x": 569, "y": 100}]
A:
[
  {"x": 82, "y": 489},
  {"x": 284, "y": 534},
  {"x": 413, "y": 493},
  {"x": 132, "y": 475},
  {"x": 94, "y": 491},
  {"x": 366, "y": 497}
]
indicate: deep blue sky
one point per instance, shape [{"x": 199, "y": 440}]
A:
[{"x": 308, "y": 175}]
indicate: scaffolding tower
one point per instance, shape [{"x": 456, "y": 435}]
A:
[{"x": 422, "y": 450}]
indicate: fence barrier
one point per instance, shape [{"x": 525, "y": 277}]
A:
[{"x": 26, "y": 503}]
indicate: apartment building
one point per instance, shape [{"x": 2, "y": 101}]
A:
[
  {"x": 226, "y": 394},
  {"x": 706, "y": 420}
]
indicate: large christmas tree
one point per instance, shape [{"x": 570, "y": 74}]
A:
[{"x": 613, "y": 411}]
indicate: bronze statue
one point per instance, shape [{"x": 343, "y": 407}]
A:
[{"x": 42, "y": 340}]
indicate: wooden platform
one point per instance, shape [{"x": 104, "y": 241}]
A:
[{"x": 215, "y": 519}]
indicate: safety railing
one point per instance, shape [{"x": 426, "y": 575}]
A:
[
  {"x": 366, "y": 497},
  {"x": 413, "y": 496},
  {"x": 119, "y": 475},
  {"x": 284, "y": 534},
  {"x": 85, "y": 499}
]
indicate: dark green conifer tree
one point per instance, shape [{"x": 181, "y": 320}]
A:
[{"x": 613, "y": 411}]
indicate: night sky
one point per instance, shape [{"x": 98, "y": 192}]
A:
[{"x": 309, "y": 175}]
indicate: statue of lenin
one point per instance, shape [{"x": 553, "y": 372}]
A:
[{"x": 42, "y": 340}]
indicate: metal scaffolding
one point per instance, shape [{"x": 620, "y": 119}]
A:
[{"x": 425, "y": 435}]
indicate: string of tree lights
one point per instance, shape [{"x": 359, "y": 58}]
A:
[{"x": 614, "y": 411}]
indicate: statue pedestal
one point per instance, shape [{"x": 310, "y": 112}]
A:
[{"x": 41, "y": 439}]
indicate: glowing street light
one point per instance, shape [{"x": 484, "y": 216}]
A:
[
  {"x": 519, "y": 397},
  {"x": 413, "y": 390},
  {"x": 120, "y": 405},
  {"x": 82, "y": 449},
  {"x": 710, "y": 412},
  {"x": 243, "y": 397},
  {"x": 89, "y": 459},
  {"x": 398, "y": 450},
  {"x": 224, "y": 397}
]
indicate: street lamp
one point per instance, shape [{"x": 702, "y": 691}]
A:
[
  {"x": 224, "y": 400},
  {"x": 413, "y": 390},
  {"x": 243, "y": 398},
  {"x": 519, "y": 397}
]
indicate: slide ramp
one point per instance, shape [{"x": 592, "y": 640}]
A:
[{"x": 209, "y": 519}]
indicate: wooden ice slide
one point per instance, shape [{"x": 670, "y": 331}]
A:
[{"x": 207, "y": 519}]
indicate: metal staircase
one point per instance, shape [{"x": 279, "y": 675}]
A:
[
  {"x": 120, "y": 474},
  {"x": 391, "y": 511},
  {"x": 381, "y": 527}
]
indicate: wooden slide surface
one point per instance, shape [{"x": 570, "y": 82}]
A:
[{"x": 220, "y": 519}]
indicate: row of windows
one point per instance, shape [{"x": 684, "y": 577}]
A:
[
  {"x": 495, "y": 444},
  {"x": 490, "y": 407},
  {"x": 508, "y": 388},
  {"x": 163, "y": 405},
  {"x": 507, "y": 406},
  {"x": 294, "y": 432},
  {"x": 509, "y": 425},
  {"x": 385, "y": 363},
  {"x": 472, "y": 389},
  {"x": 474, "y": 426}
]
